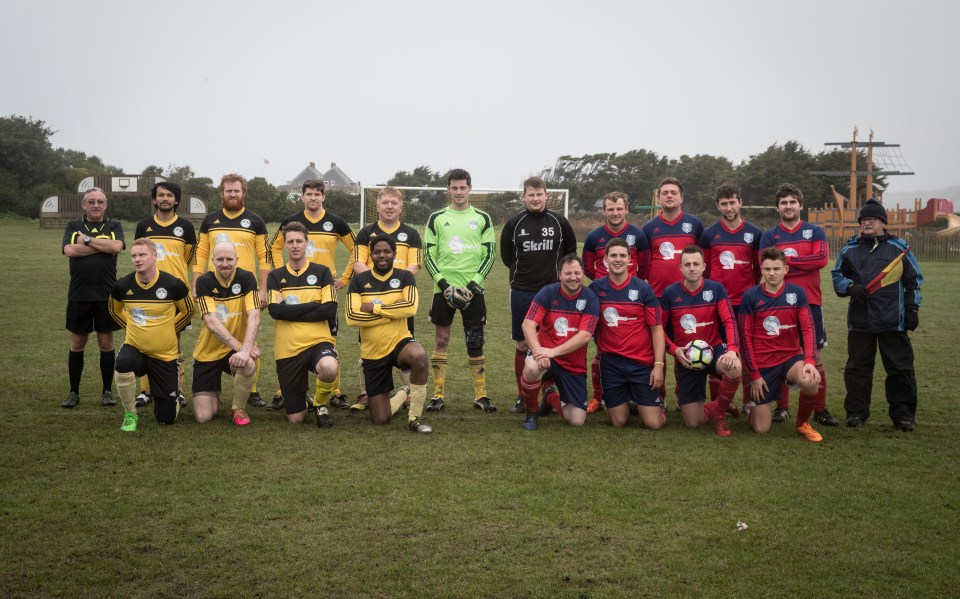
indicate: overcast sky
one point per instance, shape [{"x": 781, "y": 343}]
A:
[{"x": 499, "y": 88}]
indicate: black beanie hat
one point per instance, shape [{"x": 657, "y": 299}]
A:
[{"x": 874, "y": 208}]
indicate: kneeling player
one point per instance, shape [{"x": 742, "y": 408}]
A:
[
  {"x": 697, "y": 308},
  {"x": 303, "y": 303},
  {"x": 229, "y": 305},
  {"x": 558, "y": 326},
  {"x": 153, "y": 306},
  {"x": 630, "y": 341},
  {"x": 775, "y": 321},
  {"x": 381, "y": 302}
]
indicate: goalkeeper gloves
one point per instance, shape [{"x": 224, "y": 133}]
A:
[
  {"x": 457, "y": 297},
  {"x": 474, "y": 288}
]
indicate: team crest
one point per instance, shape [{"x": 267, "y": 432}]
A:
[
  {"x": 748, "y": 237},
  {"x": 631, "y": 240},
  {"x": 791, "y": 298},
  {"x": 474, "y": 224},
  {"x": 312, "y": 280},
  {"x": 328, "y": 226},
  {"x": 687, "y": 228},
  {"x": 245, "y": 223},
  {"x": 235, "y": 289},
  {"x": 402, "y": 237},
  {"x": 708, "y": 295},
  {"x": 178, "y": 231},
  {"x": 808, "y": 233},
  {"x": 633, "y": 294},
  {"x": 161, "y": 293},
  {"x": 581, "y": 304},
  {"x": 394, "y": 283}
]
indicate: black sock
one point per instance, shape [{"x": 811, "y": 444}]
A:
[
  {"x": 107, "y": 362},
  {"x": 75, "y": 369}
]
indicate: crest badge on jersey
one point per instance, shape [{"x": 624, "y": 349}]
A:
[
  {"x": 312, "y": 280},
  {"x": 808, "y": 233},
  {"x": 687, "y": 228},
  {"x": 581, "y": 304},
  {"x": 791, "y": 298},
  {"x": 394, "y": 283},
  {"x": 631, "y": 240},
  {"x": 161, "y": 293},
  {"x": 328, "y": 226},
  {"x": 633, "y": 294},
  {"x": 245, "y": 223},
  {"x": 748, "y": 237},
  {"x": 708, "y": 295},
  {"x": 474, "y": 224},
  {"x": 235, "y": 289},
  {"x": 401, "y": 237},
  {"x": 178, "y": 231}
]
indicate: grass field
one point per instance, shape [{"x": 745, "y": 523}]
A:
[{"x": 479, "y": 509}]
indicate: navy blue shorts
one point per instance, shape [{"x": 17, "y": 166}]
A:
[
  {"x": 519, "y": 305},
  {"x": 626, "y": 380},
  {"x": 692, "y": 384},
  {"x": 819, "y": 330},
  {"x": 572, "y": 387},
  {"x": 776, "y": 376}
]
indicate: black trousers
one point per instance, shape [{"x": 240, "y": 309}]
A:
[{"x": 896, "y": 352}]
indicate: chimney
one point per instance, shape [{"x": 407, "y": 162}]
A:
[
  {"x": 313, "y": 165},
  {"x": 333, "y": 165}
]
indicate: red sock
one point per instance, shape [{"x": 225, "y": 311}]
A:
[
  {"x": 805, "y": 408},
  {"x": 710, "y": 410},
  {"x": 820, "y": 403},
  {"x": 784, "y": 401},
  {"x": 554, "y": 400},
  {"x": 595, "y": 378},
  {"x": 714, "y": 387},
  {"x": 518, "y": 359},
  {"x": 726, "y": 389},
  {"x": 530, "y": 392}
]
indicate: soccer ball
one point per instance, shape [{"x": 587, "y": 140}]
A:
[{"x": 699, "y": 353}]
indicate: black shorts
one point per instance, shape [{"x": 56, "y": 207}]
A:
[
  {"x": 378, "y": 374},
  {"x": 162, "y": 374},
  {"x": 206, "y": 375},
  {"x": 475, "y": 316},
  {"x": 84, "y": 317},
  {"x": 292, "y": 374}
]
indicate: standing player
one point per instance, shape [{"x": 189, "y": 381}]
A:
[
  {"x": 459, "y": 253},
  {"x": 153, "y": 306},
  {"x": 531, "y": 246},
  {"x": 303, "y": 302},
  {"x": 176, "y": 240},
  {"x": 247, "y": 232},
  {"x": 381, "y": 302},
  {"x": 557, "y": 329},
  {"x": 408, "y": 255},
  {"x": 697, "y": 308},
  {"x": 805, "y": 246},
  {"x": 630, "y": 341},
  {"x": 668, "y": 233},
  {"x": 775, "y": 321},
  {"x": 92, "y": 244},
  {"x": 595, "y": 262},
  {"x": 325, "y": 230},
  {"x": 730, "y": 248},
  {"x": 229, "y": 306}
]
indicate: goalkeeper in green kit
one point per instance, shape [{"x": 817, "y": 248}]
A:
[{"x": 459, "y": 250}]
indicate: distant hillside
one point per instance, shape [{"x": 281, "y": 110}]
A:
[{"x": 905, "y": 198}]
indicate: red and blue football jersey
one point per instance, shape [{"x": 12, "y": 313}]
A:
[
  {"x": 595, "y": 250},
  {"x": 775, "y": 327},
  {"x": 628, "y": 313},
  {"x": 667, "y": 240},
  {"x": 705, "y": 314},
  {"x": 732, "y": 257},
  {"x": 807, "y": 252},
  {"x": 560, "y": 317}
]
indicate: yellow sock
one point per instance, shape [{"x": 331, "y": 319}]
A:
[
  {"x": 127, "y": 390},
  {"x": 438, "y": 363},
  {"x": 404, "y": 378},
  {"x": 397, "y": 401},
  {"x": 323, "y": 393},
  {"x": 418, "y": 397},
  {"x": 241, "y": 390},
  {"x": 145, "y": 385},
  {"x": 180, "y": 374},
  {"x": 256, "y": 377},
  {"x": 363, "y": 385},
  {"x": 478, "y": 368},
  {"x": 336, "y": 385}
]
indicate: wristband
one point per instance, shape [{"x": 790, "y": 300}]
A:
[{"x": 659, "y": 364}]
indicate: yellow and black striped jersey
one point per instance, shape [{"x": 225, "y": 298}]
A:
[
  {"x": 304, "y": 305},
  {"x": 394, "y": 299},
  {"x": 409, "y": 246},
  {"x": 152, "y": 314},
  {"x": 323, "y": 235},
  {"x": 230, "y": 301},
  {"x": 176, "y": 242},
  {"x": 244, "y": 229}
]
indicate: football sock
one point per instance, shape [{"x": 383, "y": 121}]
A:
[
  {"x": 478, "y": 371},
  {"x": 805, "y": 408},
  {"x": 418, "y": 397},
  {"x": 179, "y": 375},
  {"x": 595, "y": 378},
  {"x": 323, "y": 392},
  {"x": 438, "y": 364},
  {"x": 319, "y": 401},
  {"x": 714, "y": 387},
  {"x": 107, "y": 362},
  {"x": 404, "y": 377},
  {"x": 519, "y": 358},
  {"x": 820, "y": 403},
  {"x": 241, "y": 390},
  {"x": 726, "y": 389},
  {"x": 530, "y": 394},
  {"x": 784, "y": 401},
  {"x": 127, "y": 390},
  {"x": 396, "y": 402},
  {"x": 145, "y": 385},
  {"x": 553, "y": 398},
  {"x": 256, "y": 376},
  {"x": 336, "y": 385},
  {"x": 75, "y": 368},
  {"x": 363, "y": 385}
]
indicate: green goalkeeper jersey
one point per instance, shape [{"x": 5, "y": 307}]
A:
[{"x": 459, "y": 246}]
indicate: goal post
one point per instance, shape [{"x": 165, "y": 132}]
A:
[{"x": 420, "y": 202}]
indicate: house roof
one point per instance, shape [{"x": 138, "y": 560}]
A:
[
  {"x": 310, "y": 172},
  {"x": 336, "y": 177}
]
